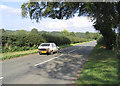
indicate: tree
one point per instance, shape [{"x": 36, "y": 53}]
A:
[
  {"x": 105, "y": 15},
  {"x": 21, "y": 32},
  {"x": 2, "y": 30},
  {"x": 72, "y": 33},
  {"x": 105, "y": 21},
  {"x": 65, "y": 33},
  {"x": 87, "y": 33},
  {"x": 34, "y": 30}
]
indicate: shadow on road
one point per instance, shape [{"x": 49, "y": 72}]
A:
[{"x": 66, "y": 66}]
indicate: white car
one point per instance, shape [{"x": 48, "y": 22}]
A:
[{"x": 48, "y": 48}]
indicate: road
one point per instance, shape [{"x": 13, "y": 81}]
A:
[{"x": 59, "y": 68}]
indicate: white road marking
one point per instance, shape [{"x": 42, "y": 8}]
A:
[
  {"x": 52, "y": 58},
  {"x": 1, "y": 77},
  {"x": 72, "y": 51},
  {"x": 47, "y": 60}
]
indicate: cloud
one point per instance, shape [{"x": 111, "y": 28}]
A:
[
  {"x": 57, "y": 24},
  {"x": 73, "y": 24},
  {"x": 81, "y": 22},
  {"x": 4, "y": 8}
]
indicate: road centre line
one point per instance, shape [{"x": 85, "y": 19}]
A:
[
  {"x": 47, "y": 60},
  {"x": 1, "y": 77},
  {"x": 52, "y": 58},
  {"x": 72, "y": 50}
]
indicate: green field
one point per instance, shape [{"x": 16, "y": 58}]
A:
[{"x": 101, "y": 68}]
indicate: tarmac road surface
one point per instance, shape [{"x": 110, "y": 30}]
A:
[{"x": 59, "y": 68}]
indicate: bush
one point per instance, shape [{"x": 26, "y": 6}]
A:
[
  {"x": 59, "y": 40},
  {"x": 5, "y": 49},
  {"x": 23, "y": 40},
  {"x": 15, "y": 48},
  {"x": 33, "y": 47}
]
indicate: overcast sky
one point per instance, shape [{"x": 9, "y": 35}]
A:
[{"x": 11, "y": 19}]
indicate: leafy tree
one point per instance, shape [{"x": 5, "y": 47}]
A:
[
  {"x": 72, "y": 34},
  {"x": 34, "y": 30},
  {"x": 105, "y": 15},
  {"x": 21, "y": 32},
  {"x": 34, "y": 39},
  {"x": 65, "y": 33},
  {"x": 59, "y": 40},
  {"x": 87, "y": 33},
  {"x": 105, "y": 19},
  {"x": 2, "y": 30}
]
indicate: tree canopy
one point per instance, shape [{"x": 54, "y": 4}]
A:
[
  {"x": 105, "y": 15},
  {"x": 34, "y": 30}
]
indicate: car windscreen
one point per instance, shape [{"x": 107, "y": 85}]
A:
[{"x": 45, "y": 45}]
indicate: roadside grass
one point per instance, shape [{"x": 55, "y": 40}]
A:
[
  {"x": 10, "y": 55},
  {"x": 68, "y": 45},
  {"x": 101, "y": 68}
]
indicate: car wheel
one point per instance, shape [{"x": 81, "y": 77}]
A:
[
  {"x": 51, "y": 53},
  {"x": 57, "y": 52},
  {"x": 40, "y": 53}
]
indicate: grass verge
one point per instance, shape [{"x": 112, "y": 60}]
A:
[
  {"x": 10, "y": 55},
  {"x": 68, "y": 45},
  {"x": 101, "y": 68}
]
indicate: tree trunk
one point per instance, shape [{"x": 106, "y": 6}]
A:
[
  {"x": 118, "y": 39},
  {"x": 109, "y": 38}
]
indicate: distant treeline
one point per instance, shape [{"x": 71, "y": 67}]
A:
[{"x": 22, "y": 40}]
